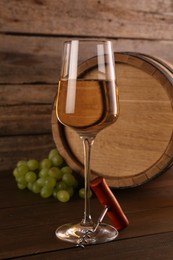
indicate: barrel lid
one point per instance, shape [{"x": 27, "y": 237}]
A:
[{"x": 139, "y": 146}]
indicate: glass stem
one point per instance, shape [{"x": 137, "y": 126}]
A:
[{"x": 87, "y": 144}]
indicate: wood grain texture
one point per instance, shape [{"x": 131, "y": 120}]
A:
[
  {"x": 127, "y": 19},
  {"x": 38, "y": 59},
  {"x": 30, "y": 221},
  {"x": 157, "y": 247},
  {"x": 25, "y": 116},
  {"x": 15, "y": 148},
  {"x": 25, "y": 119},
  {"x": 26, "y": 109},
  {"x": 27, "y": 94}
]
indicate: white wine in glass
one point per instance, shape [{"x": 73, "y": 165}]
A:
[{"x": 87, "y": 101}]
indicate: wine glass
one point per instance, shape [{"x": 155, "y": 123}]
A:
[{"x": 87, "y": 101}]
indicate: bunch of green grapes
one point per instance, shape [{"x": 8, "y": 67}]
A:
[{"x": 50, "y": 177}]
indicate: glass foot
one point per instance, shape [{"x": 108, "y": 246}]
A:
[{"x": 85, "y": 235}]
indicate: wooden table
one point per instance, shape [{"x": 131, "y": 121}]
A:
[{"x": 28, "y": 223}]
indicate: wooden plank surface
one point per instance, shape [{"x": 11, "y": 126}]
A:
[
  {"x": 15, "y": 148},
  {"x": 26, "y": 109},
  {"x": 30, "y": 119},
  {"x": 25, "y": 129},
  {"x": 28, "y": 223},
  {"x": 39, "y": 58},
  {"x": 156, "y": 247},
  {"x": 127, "y": 19},
  {"x": 27, "y": 94}
]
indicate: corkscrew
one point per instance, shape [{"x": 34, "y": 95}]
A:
[{"x": 111, "y": 207}]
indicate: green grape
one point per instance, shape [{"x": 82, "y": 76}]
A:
[
  {"x": 57, "y": 160},
  {"x": 51, "y": 179},
  {"x": 69, "y": 179},
  {"x": 52, "y": 153},
  {"x": 15, "y": 173},
  {"x": 66, "y": 169},
  {"x": 63, "y": 195},
  {"x": 21, "y": 180},
  {"x": 50, "y": 182},
  {"x": 45, "y": 163},
  {"x": 30, "y": 177},
  {"x": 21, "y": 186},
  {"x": 36, "y": 188},
  {"x": 22, "y": 170},
  {"x": 46, "y": 192},
  {"x": 43, "y": 172},
  {"x": 82, "y": 193},
  {"x": 33, "y": 165},
  {"x": 22, "y": 162},
  {"x": 55, "y": 172},
  {"x": 41, "y": 181},
  {"x": 61, "y": 186}
]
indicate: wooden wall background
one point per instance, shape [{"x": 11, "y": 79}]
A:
[{"x": 31, "y": 36}]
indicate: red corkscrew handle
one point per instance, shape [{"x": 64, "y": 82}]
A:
[{"x": 107, "y": 198}]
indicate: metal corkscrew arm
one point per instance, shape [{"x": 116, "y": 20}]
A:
[{"x": 107, "y": 199}]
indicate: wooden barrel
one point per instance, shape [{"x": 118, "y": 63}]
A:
[{"x": 139, "y": 146}]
